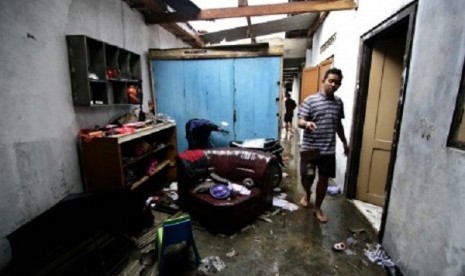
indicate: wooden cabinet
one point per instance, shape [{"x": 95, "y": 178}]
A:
[
  {"x": 144, "y": 158},
  {"x": 101, "y": 73}
]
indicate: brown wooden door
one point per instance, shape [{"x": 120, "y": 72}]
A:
[
  {"x": 324, "y": 66},
  {"x": 310, "y": 79},
  {"x": 383, "y": 93}
]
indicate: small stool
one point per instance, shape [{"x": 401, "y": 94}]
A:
[{"x": 173, "y": 231}]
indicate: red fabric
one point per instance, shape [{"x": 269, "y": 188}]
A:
[{"x": 191, "y": 155}]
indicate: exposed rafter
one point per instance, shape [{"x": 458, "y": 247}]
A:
[
  {"x": 256, "y": 10},
  {"x": 312, "y": 30},
  {"x": 250, "y": 33},
  {"x": 155, "y": 7},
  {"x": 296, "y": 22}
]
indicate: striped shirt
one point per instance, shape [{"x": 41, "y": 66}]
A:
[{"x": 326, "y": 114}]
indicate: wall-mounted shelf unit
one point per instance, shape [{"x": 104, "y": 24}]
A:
[
  {"x": 130, "y": 161},
  {"x": 102, "y": 73}
]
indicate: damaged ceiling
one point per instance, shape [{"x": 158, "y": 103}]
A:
[{"x": 300, "y": 21}]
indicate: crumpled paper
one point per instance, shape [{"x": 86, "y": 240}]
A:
[
  {"x": 282, "y": 203},
  {"x": 379, "y": 256},
  {"x": 210, "y": 264}
]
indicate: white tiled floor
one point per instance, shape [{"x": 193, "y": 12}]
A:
[{"x": 372, "y": 212}]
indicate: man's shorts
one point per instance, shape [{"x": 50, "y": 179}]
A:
[
  {"x": 288, "y": 117},
  {"x": 326, "y": 165}
]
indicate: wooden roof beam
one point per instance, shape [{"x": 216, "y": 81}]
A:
[
  {"x": 182, "y": 30},
  {"x": 312, "y": 30},
  {"x": 256, "y": 10},
  {"x": 244, "y": 3}
]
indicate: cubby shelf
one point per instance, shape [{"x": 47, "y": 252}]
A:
[{"x": 101, "y": 73}]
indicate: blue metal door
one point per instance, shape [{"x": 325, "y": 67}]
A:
[
  {"x": 256, "y": 98},
  {"x": 220, "y": 90}
]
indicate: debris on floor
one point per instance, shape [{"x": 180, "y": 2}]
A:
[
  {"x": 165, "y": 200},
  {"x": 231, "y": 253},
  {"x": 333, "y": 190},
  {"x": 338, "y": 247},
  {"x": 282, "y": 203},
  {"x": 210, "y": 264},
  {"x": 378, "y": 256},
  {"x": 265, "y": 218}
]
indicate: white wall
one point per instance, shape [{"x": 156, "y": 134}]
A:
[
  {"x": 424, "y": 226},
  {"x": 39, "y": 124},
  {"x": 348, "y": 26}
]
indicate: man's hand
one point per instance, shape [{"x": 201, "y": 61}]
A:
[
  {"x": 346, "y": 149},
  {"x": 310, "y": 126}
]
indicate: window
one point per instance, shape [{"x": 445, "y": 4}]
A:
[{"x": 457, "y": 132}]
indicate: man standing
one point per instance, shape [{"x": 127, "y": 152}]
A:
[
  {"x": 290, "y": 106},
  {"x": 320, "y": 116}
]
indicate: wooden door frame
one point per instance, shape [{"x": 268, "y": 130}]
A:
[{"x": 405, "y": 16}]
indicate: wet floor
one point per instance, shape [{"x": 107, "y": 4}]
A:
[{"x": 291, "y": 242}]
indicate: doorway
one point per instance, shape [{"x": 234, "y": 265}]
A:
[{"x": 378, "y": 107}]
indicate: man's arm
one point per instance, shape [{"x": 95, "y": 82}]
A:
[{"x": 342, "y": 136}]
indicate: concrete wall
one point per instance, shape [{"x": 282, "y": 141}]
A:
[
  {"x": 424, "y": 227},
  {"x": 39, "y": 124}
]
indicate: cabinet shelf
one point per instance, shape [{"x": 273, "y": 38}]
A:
[
  {"x": 136, "y": 159},
  {"x": 105, "y": 167},
  {"x": 97, "y": 81},
  {"x": 144, "y": 179},
  {"x": 115, "y": 68}
]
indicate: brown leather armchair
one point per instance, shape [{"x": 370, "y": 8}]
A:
[{"x": 234, "y": 164}]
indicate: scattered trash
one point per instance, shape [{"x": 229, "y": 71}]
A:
[
  {"x": 247, "y": 228},
  {"x": 282, "y": 203},
  {"x": 265, "y": 218},
  {"x": 231, "y": 253},
  {"x": 282, "y": 196},
  {"x": 277, "y": 189},
  {"x": 173, "y": 195},
  {"x": 333, "y": 190},
  {"x": 379, "y": 256},
  {"x": 174, "y": 186},
  {"x": 351, "y": 241},
  {"x": 151, "y": 201},
  {"x": 164, "y": 202},
  {"x": 240, "y": 189},
  {"x": 285, "y": 175},
  {"x": 210, "y": 264},
  {"x": 340, "y": 246}
]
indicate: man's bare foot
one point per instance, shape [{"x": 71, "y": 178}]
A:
[
  {"x": 320, "y": 216},
  {"x": 305, "y": 202}
]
